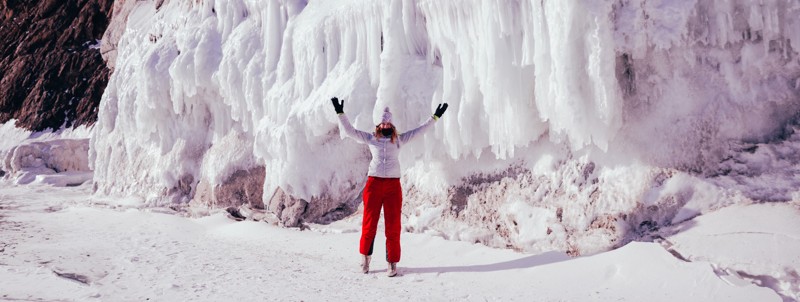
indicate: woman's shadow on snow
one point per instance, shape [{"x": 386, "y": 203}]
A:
[{"x": 521, "y": 263}]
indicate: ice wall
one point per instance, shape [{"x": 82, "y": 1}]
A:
[{"x": 567, "y": 118}]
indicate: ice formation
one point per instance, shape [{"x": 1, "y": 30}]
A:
[{"x": 572, "y": 124}]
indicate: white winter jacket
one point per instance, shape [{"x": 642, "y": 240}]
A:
[{"x": 384, "y": 162}]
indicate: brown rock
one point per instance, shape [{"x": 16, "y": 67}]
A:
[
  {"x": 244, "y": 187},
  {"x": 116, "y": 28},
  {"x": 293, "y": 211},
  {"x": 290, "y": 210}
]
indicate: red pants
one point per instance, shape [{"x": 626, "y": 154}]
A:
[{"x": 386, "y": 193}]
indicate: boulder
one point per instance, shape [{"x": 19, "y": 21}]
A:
[{"x": 294, "y": 212}]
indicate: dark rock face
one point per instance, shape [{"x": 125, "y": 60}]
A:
[{"x": 52, "y": 70}]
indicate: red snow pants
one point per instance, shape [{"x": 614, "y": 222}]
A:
[{"x": 386, "y": 193}]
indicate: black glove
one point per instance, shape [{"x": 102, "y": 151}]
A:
[
  {"x": 440, "y": 110},
  {"x": 339, "y": 107}
]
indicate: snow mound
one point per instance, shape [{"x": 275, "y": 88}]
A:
[
  {"x": 57, "y": 158},
  {"x": 30, "y": 162}
]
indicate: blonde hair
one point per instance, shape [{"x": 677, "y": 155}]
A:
[{"x": 378, "y": 132}]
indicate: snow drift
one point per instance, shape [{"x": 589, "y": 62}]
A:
[
  {"x": 574, "y": 125},
  {"x": 57, "y": 158}
]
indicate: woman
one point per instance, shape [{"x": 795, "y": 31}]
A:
[{"x": 383, "y": 183}]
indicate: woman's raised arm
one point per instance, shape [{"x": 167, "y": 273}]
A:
[
  {"x": 345, "y": 124},
  {"x": 407, "y": 136}
]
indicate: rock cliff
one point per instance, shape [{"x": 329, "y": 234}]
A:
[{"x": 53, "y": 74}]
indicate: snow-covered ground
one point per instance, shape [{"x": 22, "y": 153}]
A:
[
  {"x": 64, "y": 244},
  {"x": 759, "y": 242}
]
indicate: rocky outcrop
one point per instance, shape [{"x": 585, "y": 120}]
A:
[{"x": 53, "y": 73}]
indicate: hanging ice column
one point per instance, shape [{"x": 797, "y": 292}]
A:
[
  {"x": 530, "y": 83},
  {"x": 371, "y": 55},
  {"x": 515, "y": 70}
]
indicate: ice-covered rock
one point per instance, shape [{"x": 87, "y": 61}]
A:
[
  {"x": 116, "y": 27},
  {"x": 572, "y": 124},
  {"x": 244, "y": 187}
]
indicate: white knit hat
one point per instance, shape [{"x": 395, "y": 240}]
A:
[{"x": 387, "y": 116}]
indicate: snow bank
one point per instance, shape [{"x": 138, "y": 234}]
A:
[
  {"x": 28, "y": 161},
  {"x": 589, "y": 116},
  {"x": 59, "y": 158}
]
